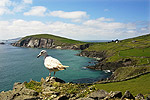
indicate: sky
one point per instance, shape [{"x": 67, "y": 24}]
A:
[{"x": 75, "y": 19}]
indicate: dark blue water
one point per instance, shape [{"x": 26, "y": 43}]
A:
[{"x": 20, "y": 64}]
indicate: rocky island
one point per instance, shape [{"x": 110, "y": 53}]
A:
[{"x": 2, "y": 43}]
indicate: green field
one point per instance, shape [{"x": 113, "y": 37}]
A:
[
  {"x": 145, "y": 52},
  {"x": 137, "y": 49},
  {"x": 127, "y": 72},
  {"x": 135, "y": 86}
]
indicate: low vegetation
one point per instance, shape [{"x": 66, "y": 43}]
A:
[
  {"x": 126, "y": 72},
  {"x": 135, "y": 86},
  {"x": 34, "y": 85}
]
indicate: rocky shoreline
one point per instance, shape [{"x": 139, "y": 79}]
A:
[
  {"x": 102, "y": 64},
  {"x": 57, "y": 89}
]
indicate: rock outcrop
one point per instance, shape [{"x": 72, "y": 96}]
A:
[
  {"x": 102, "y": 63},
  {"x": 57, "y": 89}
]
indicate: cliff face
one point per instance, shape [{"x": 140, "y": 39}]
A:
[{"x": 47, "y": 43}]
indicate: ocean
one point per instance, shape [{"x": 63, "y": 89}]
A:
[{"x": 20, "y": 64}]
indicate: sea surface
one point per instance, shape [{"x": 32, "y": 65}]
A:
[{"x": 20, "y": 64}]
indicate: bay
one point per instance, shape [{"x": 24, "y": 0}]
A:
[{"x": 20, "y": 64}]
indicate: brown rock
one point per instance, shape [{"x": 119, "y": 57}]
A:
[
  {"x": 100, "y": 94},
  {"x": 127, "y": 95}
]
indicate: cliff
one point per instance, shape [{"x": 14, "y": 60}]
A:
[{"x": 50, "y": 41}]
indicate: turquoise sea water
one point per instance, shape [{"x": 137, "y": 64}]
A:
[{"x": 20, "y": 64}]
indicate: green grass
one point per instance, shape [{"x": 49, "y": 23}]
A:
[
  {"x": 126, "y": 72},
  {"x": 34, "y": 85},
  {"x": 137, "y": 49},
  {"x": 135, "y": 86},
  {"x": 145, "y": 52}
]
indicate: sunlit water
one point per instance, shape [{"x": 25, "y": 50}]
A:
[{"x": 20, "y": 64}]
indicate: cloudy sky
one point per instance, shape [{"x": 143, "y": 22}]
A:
[{"x": 75, "y": 19}]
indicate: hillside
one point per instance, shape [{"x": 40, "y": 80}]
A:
[
  {"x": 49, "y": 41},
  {"x": 133, "y": 54},
  {"x": 135, "y": 86},
  {"x": 137, "y": 49},
  {"x": 58, "y": 39}
]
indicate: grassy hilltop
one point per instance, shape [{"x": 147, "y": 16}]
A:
[
  {"x": 137, "y": 49},
  {"x": 58, "y": 39}
]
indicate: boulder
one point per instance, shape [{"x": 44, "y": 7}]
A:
[
  {"x": 85, "y": 99},
  {"x": 54, "y": 79},
  {"x": 17, "y": 85},
  {"x": 116, "y": 94},
  {"x": 100, "y": 94},
  {"x": 140, "y": 96},
  {"x": 29, "y": 92},
  {"x": 127, "y": 95},
  {"x": 148, "y": 98},
  {"x": 61, "y": 97}
]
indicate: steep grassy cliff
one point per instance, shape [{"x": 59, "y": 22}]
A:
[
  {"x": 50, "y": 41},
  {"x": 58, "y": 39}
]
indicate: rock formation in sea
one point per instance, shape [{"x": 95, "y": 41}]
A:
[{"x": 2, "y": 43}]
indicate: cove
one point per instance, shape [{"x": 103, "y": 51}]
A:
[{"x": 20, "y": 64}]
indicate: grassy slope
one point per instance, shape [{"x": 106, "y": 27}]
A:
[
  {"x": 135, "y": 86},
  {"x": 127, "y": 72},
  {"x": 139, "y": 51},
  {"x": 58, "y": 40}
]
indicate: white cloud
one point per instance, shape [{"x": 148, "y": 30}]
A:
[
  {"x": 4, "y": 3},
  {"x": 104, "y": 19},
  {"x": 69, "y": 15},
  {"x": 88, "y": 30},
  {"x": 11, "y": 7},
  {"x": 27, "y": 1},
  {"x": 106, "y": 10},
  {"x": 36, "y": 11}
]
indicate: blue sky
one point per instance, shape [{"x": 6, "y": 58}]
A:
[{"x": 75, "y": 19}]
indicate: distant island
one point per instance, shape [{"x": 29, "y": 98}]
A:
[{"x": 2, "y": 43}]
